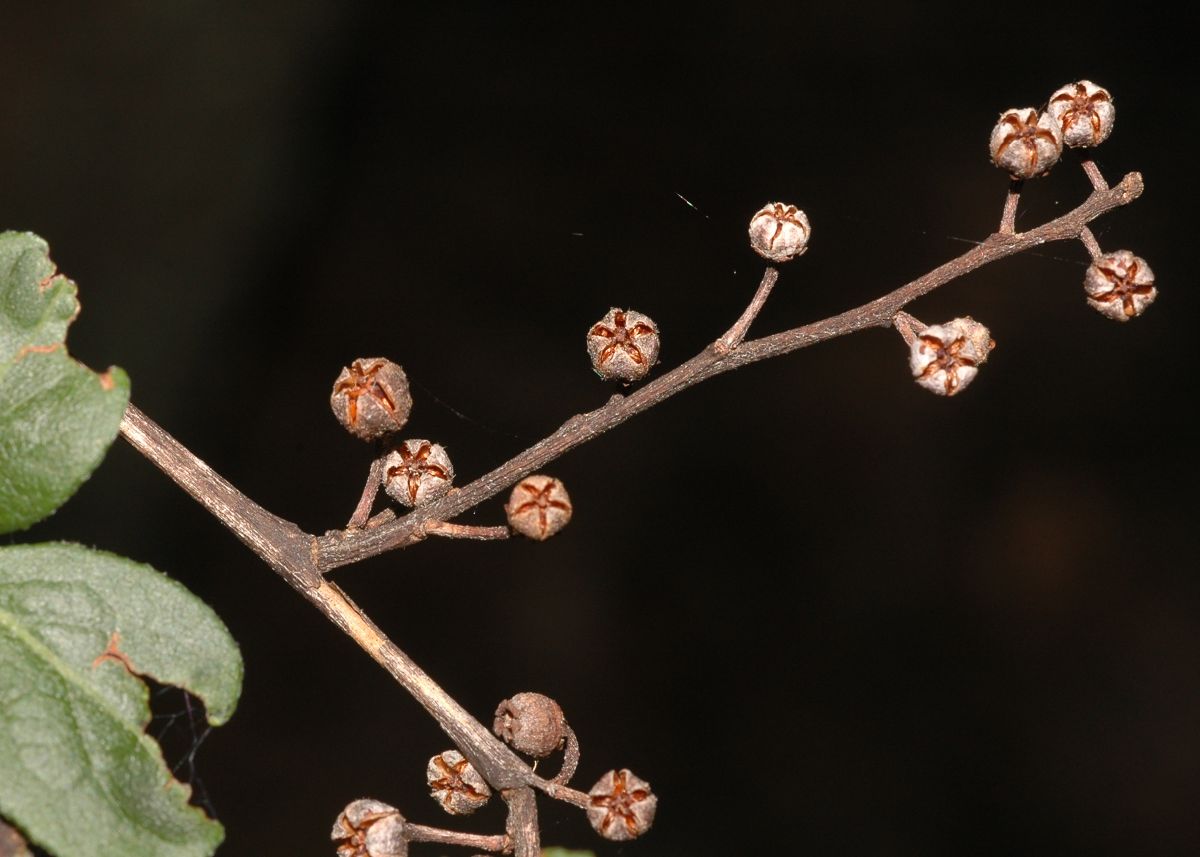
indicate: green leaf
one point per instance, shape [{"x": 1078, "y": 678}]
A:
[
  {"x": 57, "y": 417},
  {"x": 78, "y": 774}
]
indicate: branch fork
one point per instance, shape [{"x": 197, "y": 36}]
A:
[
  {"x": 736, "y": 334},
  {"x": 304, "y": 560}
]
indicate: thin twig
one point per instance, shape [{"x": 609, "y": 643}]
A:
[
  {"x": 1008, "y": 220},
  {"x": 1094, "y": 175},
  {"x": 370, "y": 491},
  {"x": 1090, "y": 243},
  {"x": 570, "y": 759},
  {"x": 733, "y": 338},
  {"x": 422, "y": 833},
  {"x": 564, "y": 793},
  {"x": 338, "y": 548},
  {"x": 907, "y": 326},
  {"x": 466, "y": 531}
]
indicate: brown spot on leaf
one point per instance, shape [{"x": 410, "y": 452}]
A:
[
  {"x": 48, "y": 280},
  {"x": 36, "y": 349},
  {"x": 112, "y": 652}
]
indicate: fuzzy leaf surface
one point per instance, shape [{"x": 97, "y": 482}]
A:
[
  {"x": 57, "y": 417},
  {"x": 78, "y": 630}
]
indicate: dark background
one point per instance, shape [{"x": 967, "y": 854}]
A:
[{"x": 819, "y": 609}]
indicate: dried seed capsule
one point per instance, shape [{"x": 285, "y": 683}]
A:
[
  {"x": 623, "y": 344},
  {"x": 370, "y": 398},
  {"x": 779, "y": 232},
  {"x": 369, "y": 828},
  {"x": 416, "y": 472},
  {"x": 1025, "y": 143},
  {"x": 538, "y": 507},
  {"x": 455, "y": 784},
  {"x": 1084, "y": 112},
  {"x": 945, "y": 357},
  {"x": 531, "y": 723},
  {"x": 621, "y": 806},
  {"x": 1120, "y": 285}
]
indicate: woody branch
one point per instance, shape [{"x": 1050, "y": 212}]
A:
[
  {"x": 387, "y": 532},
  {"x": 303, "y": 559}
]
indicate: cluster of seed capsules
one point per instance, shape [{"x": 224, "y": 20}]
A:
[
  {"x": 944, "y": 358},
  {"x": 372, "y": 401},
  {"x": 620, "y": 806},
  {"x": 1027, "y": 143}
]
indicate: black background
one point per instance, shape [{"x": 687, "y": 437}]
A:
[{"x": 819, "y": 609}]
